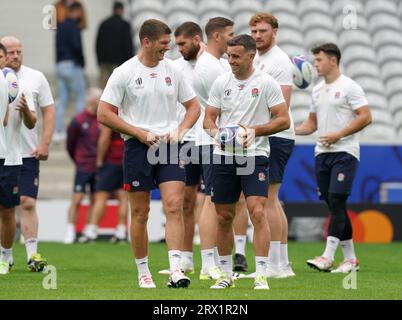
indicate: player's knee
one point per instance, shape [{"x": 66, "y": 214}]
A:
[
  {"x": 336, "y": 203},
  {"x": 140, "y": 214},
  {"x": 257, "y": 215},
  {"x": 225, "y": 217},
  {"x": 28, "y": 204},
  {"x": 174, "y": 205}
]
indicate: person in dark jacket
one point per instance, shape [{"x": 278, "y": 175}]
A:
[
  {"x": 69, "y": 67},
  {"x": 114, "y": 43}
]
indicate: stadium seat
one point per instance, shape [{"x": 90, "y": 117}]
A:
[
  {"x": 206, "y": 6},
  {"x": 242, "y": 20},
  {"x": 358, "y": 52},
  {"x": 288, "y": 20},
  {"x": 340, "y": 7},
  {"x": 384, "y": 21},
  {"x": 173, "y": 6},
  {"x": 299, "y": 114},
  {"x": 316, "y": 20},
  {"x": 177, "y": 18},
  {"x": 358, "y": 36},
  {"x": 275, "y": 6},
  {"x": 292, "y": 49},
  {"x": 308, "y": 6},
  {"x": 139, "y": 18},
  {"x": 391, "y": 69},
  {"x": 389, "y": 53},
  {"x": 379, "y": 116},
  {"x": 393, "y": 86},
  {"x": 139, "y": 6},
  {"x": 370, "y": 83},
  {"x": 240, "y": 6},
  {"x": 287, "y": 35},
  {"x": 374, "y": 6},
  {"x": 316, "y": 36},
  {"x": 377, "y": 99},
  {"x": 387, "y": 36},
  {"x": 378, "y": 131}
]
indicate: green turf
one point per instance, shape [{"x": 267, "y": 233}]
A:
[{"x": 104, "y": 271}]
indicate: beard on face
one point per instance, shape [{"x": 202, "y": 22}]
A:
[{"x": 192, "y": 53}]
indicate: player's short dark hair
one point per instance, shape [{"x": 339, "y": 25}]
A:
[
  {"x": 330, "y": 49},
  {"x": 153, "y": 29},
  {"x": 74, "y": 6},
  {"x": 3, "y": 48},
  {"x": 117, "y": 5},
  {"x": 243, "y": 40},
  {"x": 264, "y": 17},
  {"x": 188, "y": 29},
  {"x": 217, "y": 24}
]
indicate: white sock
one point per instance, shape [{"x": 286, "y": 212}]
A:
[
  {"x": 274, "y": 254},
  {"x": 330, "y": 249},
  {"x": 187, "y": 258},
  {"x": 120, "y": 232},
  {"x": 71, "y": 228},
  {"x": 31, "y": 246},
  {"x": 91, "y": 231},
  {"x": 348, "y": 250},
  {"x": 6, "y": 255},
  {"x": 260, "y": 265},
  {"x": 207, "y": 260},
  {"x": 240, "y": 244},
  {"x": 216, "y": 256},
  {"x": 142, "y": 267},
  {"x": 174, "y": 259},
  {"x": 284, "y": 259},
  {"x": 226, "y": 265}
]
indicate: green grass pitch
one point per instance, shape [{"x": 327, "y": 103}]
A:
[{"x": 105, "y": 271}]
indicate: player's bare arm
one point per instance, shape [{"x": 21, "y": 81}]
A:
[
  {"x": 192, "y": 114},
  {"x": 309, "y": 126},
  {"x": 280, "y": 121},
  {"x": 287, "y": 93},
  {"x": 49, "y": 121},
  {"x": 362, "y": 120},
  {"x": 211, "y": 114},
  {"x": 28, "y": 116},
  {"x": 103, "y": 145},
  {"x": 108, "y": 117}
]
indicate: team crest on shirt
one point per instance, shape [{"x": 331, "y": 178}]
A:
[
  {"x": 153, "y": 75},
  {"x": 255, "y": 93},
  {"x": 15, "y": 190},
  {"x": 341, "y": 177},
  {"x": 337, "y": 95},
  {"x": 168, "y": 81},
  {"x": 262, "y": 177}
]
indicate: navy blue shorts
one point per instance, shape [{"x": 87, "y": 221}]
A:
[
  {"x": 281, "y": 150},
  {"x": 83, "y": 180},
  {"x": 109, "y": 177},
  {"x": 9, "y": 185},
  {"x": 29, "y": 180},
  {"x": 228, "y": 181},
  {"x": 335, "y": 173},
  {"x": 145, "y": 168},
  {"x": 190, "y": 157}
]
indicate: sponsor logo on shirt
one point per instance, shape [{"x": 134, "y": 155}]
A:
[
  {"x": 241, "y": 87},
  {"x": 168, "y": 81},
  {"x": 153, "y": 75},
  {"x": 138, "y": 82},
  {"x": 255, "y": 93},
  {"x": 337, "y": 95}
]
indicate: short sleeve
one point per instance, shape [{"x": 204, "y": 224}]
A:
[
  {"x": 45, "y": 97},
  {"x": 185, "y": 91},
  {"x": 356, "y": 97},
  {"x": 273, "y": 93},
  {"x": 115, "y": 89},
  {"x": 214, "y": 99}
]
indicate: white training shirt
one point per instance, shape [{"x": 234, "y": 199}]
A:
[
  {"x": 335, "y": 105},
  {"x": 277, "y": 64},
  {"x": 36, "y": 82},
  {"x": 3, "y": 110},
  {"x": 147, "y": 97},
  {"x": 207, "y": 69},
  {"x": 187, "y": 69},
  {"x": 246, "y": 102},
  {"x": 14, "y": 127}
]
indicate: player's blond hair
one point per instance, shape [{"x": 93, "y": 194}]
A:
[{"x": 264, "y": 17}]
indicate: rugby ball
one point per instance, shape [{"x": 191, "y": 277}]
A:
[
  {"x": 12, "y": 82},
  {"x": 231, "y": 138},
  {"x": 303, "y": 72}
]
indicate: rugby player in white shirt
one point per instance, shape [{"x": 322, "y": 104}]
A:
[
  {"x": 338, "y": 112},
  {"x": 145, "y": 92}
]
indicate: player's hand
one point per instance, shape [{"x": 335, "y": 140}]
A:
[
  {"x": 41, "y": 152},
  {"x": 148, "y": 138},
  {"x": 173, "y": 137},
  {"x": 330, "y": 138},
  {"x": 248, "y": 137},
  {"x": 22, "y": 105},
  {"x": 99, "y": 163}
]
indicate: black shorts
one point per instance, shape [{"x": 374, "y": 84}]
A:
[
  {"x": 228, "y": 181},
  {"x": 29, "y": 180},
  {"x": 109, "y": 177},
  {"x": 335, "y": 173},
  {"x": 83, "y": 180},
  {"x": 9, "y": 185},
  {"x": 145, "y": 168},
  {"x": 281, "y": 150}
]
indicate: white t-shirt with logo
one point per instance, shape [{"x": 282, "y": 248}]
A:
[
  {"x": 3, "y": 110},
  {"x": 207, "y": 69},
  {"x": 187, "y": 69},
  {"x": 277, "y": 64},
  {"x": 246, "y": 102},
  {"x": 15, "y": 126},
  {"x": 147, "y": 97},
  {"x": 36, "y": 82},
  {"x": 335, "y": 105}
]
